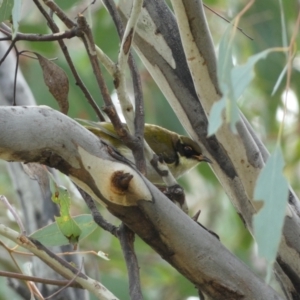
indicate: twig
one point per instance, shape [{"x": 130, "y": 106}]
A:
[
  {"x": 96, "y": 214},
  {"x": 59, "y": 12},
  {"x": 139, "y": 120},
  {"x": 138, "y": 95},
  {"x": 168, "y": 178},
  {"x": 39, "y": 279},
  {"x": 120, "y": 83},
  {"x": 68, "y": 34},
  {"x": 201, "y": 296},
  {"x": 56, "y": 263},
  {"x": 14, "y": 213},
  {"x": 69, "y": 283},
  {"x": 106, "y": 61},
  {"x": 126, "y": 237},
  {"x": 220, "y": 16},
  {"x": 7, "y": 52},
  {"x": 110, "y": 110},
  {"x": 65, "y": 51}
]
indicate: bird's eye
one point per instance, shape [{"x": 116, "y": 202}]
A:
[{"x": 188, "y": 151}]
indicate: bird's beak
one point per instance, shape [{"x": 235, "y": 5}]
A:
[{"x": 202, "y": 157}]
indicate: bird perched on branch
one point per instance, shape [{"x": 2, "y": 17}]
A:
[{"x": 180, "y": 153}]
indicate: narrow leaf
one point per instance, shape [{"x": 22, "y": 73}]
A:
[
  {"x": 233, "y": 80},
  {"x": 103, "y": 255},
  {"x": 280, "y": 78},
  {"x": 283, "y": 27},
  {"x": 233, "y": 115},
  {"x": 242, "y": 75},
  {"x": 57, "y": 82},
  {"x": 272, "y": 189},
  {"x": 215, "y": 117},
  {"x": 6, "y": 10},
  {"x": 225, "y": 56},
  {"x": 16, "y": 16}
]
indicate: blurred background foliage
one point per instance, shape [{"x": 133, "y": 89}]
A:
[{"x": 262, "y": 23}]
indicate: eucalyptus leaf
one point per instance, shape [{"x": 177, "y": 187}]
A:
[
  {"x": 233, "y": 81},
  {"x": 16, "y": 16},
  {"x": 6, "y": 7},
  {"x": 272, "y": 189},
  {"x": 215, "y": 118},
  {"x": 279, "y": 80},
  {"x": 242, "y": 75}
]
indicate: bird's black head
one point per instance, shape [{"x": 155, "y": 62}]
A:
[{"x": 189, "y": 149}]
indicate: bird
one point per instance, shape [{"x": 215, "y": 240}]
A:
[{"x": 179, "y": 152}]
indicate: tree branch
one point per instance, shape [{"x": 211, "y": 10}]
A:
[
  {"x": 46, "y": 136},
  {"x": 237, "y": 158},
  {"x": 57, "y": 263},
  {"x": 126, "y": 237}
]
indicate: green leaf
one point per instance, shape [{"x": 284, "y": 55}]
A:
[
  {"x": 232, "y": 113},
  {"x": 16, "y": 16},
  {"x": 233, "y": 82},
  {"x": 272, "y": 189},
  {"x": 283, "y": 27},
  {"x": 215, "y": 117},
  {"x": 280, "y": 78},
  {"x": 6, "y": 7},
  {"x": 225, "y": 63},
  {"x": 51, "y": 235},
  {"x": 242, "y": 75}
]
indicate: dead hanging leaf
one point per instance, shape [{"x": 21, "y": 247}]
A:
[{"x": 57, "y": 82}]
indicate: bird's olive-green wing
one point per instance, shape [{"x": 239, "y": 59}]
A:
[
  {"x": 161, "y": 142},
  {"x": 103, "y": 130},
  {"x": 159, "y": 139}
]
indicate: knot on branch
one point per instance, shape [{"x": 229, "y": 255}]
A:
[{"x": 120, "y": 182}]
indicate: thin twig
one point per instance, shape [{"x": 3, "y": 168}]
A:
[
  {"x": 96, "y": 214},
  {"x": 14, "y": 213},
  {"x": 68, "y": 34},
  {"x": 69, "y": 283},
  {"x": 120, "y": 82},
  {"x": 7, "y": 51},
  {"x": 16, "y": 75},
  {"x": 39, "y": 279},
  {"x": 60, "y": 13},
  {"x": 65, "y": 51},
  {"x": 110, "y": 110},
  {"x": 109, "y": 65},
  {"x": 126, "y": 237},
  {"x": 139, "y": 108},
  {"x": 139, "y": 121},
  {"x": 220, "y": 16}
]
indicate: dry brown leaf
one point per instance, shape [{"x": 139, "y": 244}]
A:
[{"x": 57, "y": 82}]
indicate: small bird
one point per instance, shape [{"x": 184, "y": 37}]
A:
[{"x": 180, "y": 153}]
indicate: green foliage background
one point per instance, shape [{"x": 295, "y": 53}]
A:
[{"x": 262, "y": 23}]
